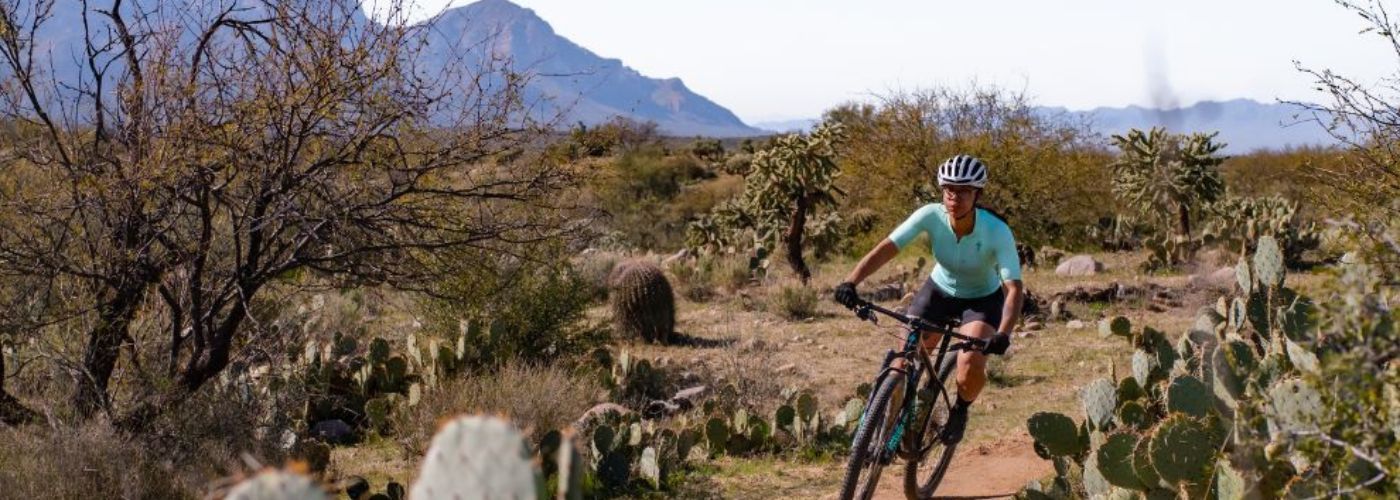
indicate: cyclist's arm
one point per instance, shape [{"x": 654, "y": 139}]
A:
[
  {"x": 889, "y": 248},
  {"x": 1009, "y": 268},
  {"x": 1011, "y": 311},
  {"x": 872, "y": 261}
]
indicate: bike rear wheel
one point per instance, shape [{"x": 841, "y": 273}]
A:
[
  {"x": 924, "y": 472},
  {"x": 864, "y": 466}
]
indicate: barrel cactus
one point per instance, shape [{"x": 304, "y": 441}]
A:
[
  {"x": 642, "y": 302},
  {"x": 477, "y": 457},
  {"x": 277, "y": 485}
]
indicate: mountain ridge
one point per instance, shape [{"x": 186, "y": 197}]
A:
[{"x": 1243, "y": 124}]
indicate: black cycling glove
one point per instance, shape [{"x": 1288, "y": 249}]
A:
[
  {"x": 999, "y": 343},
  {"x": 846, "y": 294}
]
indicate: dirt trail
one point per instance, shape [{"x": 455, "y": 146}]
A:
[{"x": 991, "y": 470}]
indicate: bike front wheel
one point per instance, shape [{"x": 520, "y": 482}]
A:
[
  {"x": 868, "y": 450},
  {"x": 927, "y": 468}
]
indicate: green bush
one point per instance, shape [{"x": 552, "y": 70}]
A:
[
  {"x": 1046, "y": 171},
  {"x": 536, "y": 305},
  {"x": 794, "y": 301}
]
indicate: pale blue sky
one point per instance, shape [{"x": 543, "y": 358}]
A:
[{"x": 783, "y": 59}]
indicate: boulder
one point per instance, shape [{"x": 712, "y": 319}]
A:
[
  {"x": 1079, "y": 265},
  {"x": 332, "y": 431},
  {"x": 598, "y": 411}
]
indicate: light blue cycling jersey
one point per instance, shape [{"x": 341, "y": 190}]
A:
[{"x": 973, "y": 267}]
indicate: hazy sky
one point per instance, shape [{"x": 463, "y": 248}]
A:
[{"x": 782, "y": 59}]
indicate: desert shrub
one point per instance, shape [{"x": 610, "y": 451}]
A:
[
  {"x": 537, "y": 398},
  {"x": 538, "y": 306},
  {"x": 794, "y": 301},
  {"x": 650, "y": 195},
  {"x": 592, "y": 270},
  {"x": 700, "y": 278},
  {"x": 88, "y": 461},
  {"x": 1046, "y": 171}
]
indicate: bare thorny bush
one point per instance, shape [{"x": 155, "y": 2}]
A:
[{"x": 208, "y": 154}]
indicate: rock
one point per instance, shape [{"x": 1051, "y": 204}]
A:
[
  {"x": 1058, "y": 311},
  {"x": 790, "y": 367},
  {"x": 1079, "y": 265},
  {"x": 1048, "y": 254},
  {"x": 1075, "y": 325},
  {"x": 687, "y": 398},
  {"x": 753, "y": 344},
  {"x": 798, "y": 339},
  {"x": 659, "y": 409},
  {"x": 1026, "y": 334},
  {"x": 332, "y": 431},
  {"x": 1222, "y": 278},
  {"x": 676, "y": 257},
  {"x": 598, "y": 411},
  {"x": 886, "y": 292},
  {"x": 1032, "y": 326}
]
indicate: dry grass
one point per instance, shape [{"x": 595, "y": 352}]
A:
[
  {"x": 536, "y": 398},
  {"x": 90, "y": 461}
]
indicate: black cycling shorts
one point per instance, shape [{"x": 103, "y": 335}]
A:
[{"x": 932, "y": 304}]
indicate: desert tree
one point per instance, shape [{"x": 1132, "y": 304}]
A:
[{"x": 201, "y": 154}]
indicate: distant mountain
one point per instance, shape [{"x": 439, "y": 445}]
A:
[
  {"x": 798, "y": 125},
  {"x": 1244, "y": 125},
  {"x": 573, "y": 80},
  {"x": 563, "y": 79}
]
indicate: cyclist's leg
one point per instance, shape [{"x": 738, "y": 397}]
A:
[
  {"x": 930, "y": 304},
  {"x": 980, "y": 318},
  {"x": 972, "y": 366}
]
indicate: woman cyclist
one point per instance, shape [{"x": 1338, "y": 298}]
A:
[{"x": 976, "y": 279}]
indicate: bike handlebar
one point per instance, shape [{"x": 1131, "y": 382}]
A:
[{"x": 863, "y": 308}]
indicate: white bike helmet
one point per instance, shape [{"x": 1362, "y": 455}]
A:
[{"x": 963, "y": 170}]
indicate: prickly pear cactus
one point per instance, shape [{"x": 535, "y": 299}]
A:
[
  {"x": 277, "y": 485},
  {"x": 1230, "y": 483},
  {"x": 571, "y": 469},
  {"x": 1055, "y": 432},
  {"x": 1268, "y": 263},
  {"x": 1145, "y": 368},
  {"x": 650, "y": 467},
  {"x": 1188, "y": 395},
  {"x": 1115, "y": 461},
  {"x": 1129, "y": 390},
  {"x": 1133, "y": 415},
  {"x": 1244, "y": 277},
  {"x": 1118, "y": 325},
  {"x": 1181, "y": 451},
  {"x": 642, "y": 302},
  {"x": 1099, "y": 401},
  {"x": 717, "y": 433},
  {"x": 1142, "y": 464},
  {"x": 477, "y": 457},
  {"x": 1295, "y": 404}
]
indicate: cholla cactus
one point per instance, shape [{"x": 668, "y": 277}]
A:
[
  {"x": 784, "y": 186},
  {"x": 1168, "y": 175}
]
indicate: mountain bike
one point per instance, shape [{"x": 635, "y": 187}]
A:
[{"x": 893, "y": 425}]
